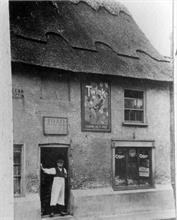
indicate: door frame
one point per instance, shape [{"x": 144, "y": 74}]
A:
[{"x": 59, "y": 145}]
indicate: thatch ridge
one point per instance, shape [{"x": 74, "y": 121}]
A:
[
  {"x": 86, "y": 32},
  {"x": 112, "y": 6}
]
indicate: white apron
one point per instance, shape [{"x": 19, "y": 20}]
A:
[{"x": 58, "y": 191}]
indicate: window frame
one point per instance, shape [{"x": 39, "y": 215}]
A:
[
  {"x": 135, "y": 123},
  {"x": 21, "y": 194},
  {"x": 133, "y": 144}
]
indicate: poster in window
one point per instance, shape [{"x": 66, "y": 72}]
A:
[
  {"x": 143, "y": 171},
  {"x": 96, "y": 106}
]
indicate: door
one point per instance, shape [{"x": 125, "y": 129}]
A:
[{"x": 49, "y": 156}]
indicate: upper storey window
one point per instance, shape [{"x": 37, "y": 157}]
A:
[{"x": 134, "y": 110}]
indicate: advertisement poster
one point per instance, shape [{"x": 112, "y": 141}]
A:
[
  {"x": 96, "y": 106},
  {"x": 144, "y": 172}
]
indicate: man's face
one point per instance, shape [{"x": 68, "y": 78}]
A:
[{"x": 59, "y": 164}]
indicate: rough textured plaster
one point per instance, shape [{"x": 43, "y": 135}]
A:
[{"x": 90, "y": 151}]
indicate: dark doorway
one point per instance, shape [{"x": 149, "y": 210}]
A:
[{"x": 49, "y": 156}]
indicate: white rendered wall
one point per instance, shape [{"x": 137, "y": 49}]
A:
[
  {"x": 175, "y": 87},
  {"x": 6, "y": 149}
]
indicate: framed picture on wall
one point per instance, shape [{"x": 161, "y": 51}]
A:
[{"x": 96, "y": 106}]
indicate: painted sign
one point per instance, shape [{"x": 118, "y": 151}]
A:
[
  {"x": 96, "y": 106},
  {"x": 119, "y": 157},
  {"x": 17, "y": 93},
  {"x": 55, "y": 126}
]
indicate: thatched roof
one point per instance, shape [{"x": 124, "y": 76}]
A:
[{"x": 84, "y": 36}]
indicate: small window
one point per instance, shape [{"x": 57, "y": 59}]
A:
[
  {"x": 17, "y": 170},
  {"x": 132, "y": 167},
  {"x": 134, "y": 106}
]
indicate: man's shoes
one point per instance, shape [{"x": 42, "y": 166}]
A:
[
  {"x": 62, "y": 213},
  {"x": 51, "y": 214}
]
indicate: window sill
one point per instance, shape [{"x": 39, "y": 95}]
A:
[{"x": 137, "y": 124}]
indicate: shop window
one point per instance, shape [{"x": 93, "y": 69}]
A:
[
  {"x": 134, "y": 106},
  {"x": 132, "y": 167},
  {"x": 17, "y": 170}
]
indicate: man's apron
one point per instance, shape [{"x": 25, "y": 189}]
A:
[{"x": 58, "y": 189}]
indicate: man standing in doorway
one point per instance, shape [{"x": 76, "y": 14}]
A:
[{"x": 58, "y": 186}]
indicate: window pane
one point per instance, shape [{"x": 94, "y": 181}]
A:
[
  {"x": 130, "y": 115},
  {"x": 17, "y": 157},
  {"x": 17, "y": 170},
  {"x": 138, "y": 104},
  {"x": 144, "y": 166},
  {"x": 17, "y": 186},
  {"x": 127, "y": 115},
  {"x": 133, "y": 94},
  {"x": 134, "y": 103},
  {"x": 129, "y": 103},
  {"x": 134, "y": 115},
  {"x": 132, "y": 171},
  {"x": 120, "y": 167},
  {"x": 139, "y": 116}
]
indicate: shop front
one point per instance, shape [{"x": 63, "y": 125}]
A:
[{"x": 84, "y": 94}]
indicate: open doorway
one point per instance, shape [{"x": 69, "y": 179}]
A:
[{"x": 49, "y": 155}]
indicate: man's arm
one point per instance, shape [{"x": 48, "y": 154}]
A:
[
  {"x": 50, "y": 171},
  {"x": 65, "y": 173}
]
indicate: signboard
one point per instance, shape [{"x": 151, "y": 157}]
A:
[
  {"x": 95, "y": 104},
  {"x": 143, "y": 171},
  {"x": 55, "y": 126}
]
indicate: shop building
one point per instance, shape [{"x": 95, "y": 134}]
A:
[{"x": 88, "y": 87}]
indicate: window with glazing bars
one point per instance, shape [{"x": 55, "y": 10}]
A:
[
  {"x": 17, "y": 170},
  {"x": 133, "y": 167},
  {"x": 134, "y": 106}
]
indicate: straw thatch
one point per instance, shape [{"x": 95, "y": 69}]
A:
[{"x": 83, "y": 36}]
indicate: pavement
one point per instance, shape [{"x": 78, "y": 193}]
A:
[{"x": 113, "y": 217}]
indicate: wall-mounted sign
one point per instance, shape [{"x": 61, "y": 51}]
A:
[
  {"x": 95, "y": 104},
  {"x": 17, "y": 93},
  {"x": 55, "y": 126}
]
